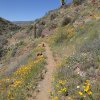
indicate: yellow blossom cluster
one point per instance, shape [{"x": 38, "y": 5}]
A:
[
  {"x": 96, "y": 16},
  {"x": 16, "y": 83},
  {"x": 24, "y": 70},
  {"x": 63, "y": 82},
  {"x": 71, "y": 31},
  {"x": 86, "y": 89},
  {"x": 10, "y": 85},
  {"x": 55, "y": 98},
  {"x": 20, "y": 74},
  {"x": 60, "y": 88}
]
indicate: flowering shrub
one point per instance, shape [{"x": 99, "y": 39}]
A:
[
  {"x": 15, "y": 86},
  {"x": 60, "y": 89},
  {"x": 85, "y": 90},
  {"x": 62, "y": 34}
]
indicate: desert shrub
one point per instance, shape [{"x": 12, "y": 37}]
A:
[
  {"x": 66, "y": 21},
  {"x": 3, "y": 42},
  {"x": 14, "y": 50},
  {"x": 30, "y": 28},
  {"x": 38, "y": 32},
  {"x": 60, "y": 37},
  {"x": 62, "y": 34},
  {"x": 77, "y": 2},
  {"x": 16, "y": 47},
  {"x": 20, "y": 43},
  {"x": 42, "y": 22},
  {"x": 52, "y": 26},
  {"x": 91, "y": 46},
  {"x": 53, "y": 16},
  {"x": 1, "y": 52},
  {"x": 14, "y": 28},
  {"x": 39, "y": 29}
]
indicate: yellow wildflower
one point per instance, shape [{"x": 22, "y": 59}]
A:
[
  {"x": 69, "y": 98},
  {"x": 62, "y": 82},
  {"x": 89, "y": 92},
  {"x": 59, "y": 91},
  {"x": 80, "y": 93},
  {"x": 16, "y": 83},
  {"x": 57, "y": 85},
  {"x": 55, "y": 98},
  {"x": 64, "y": 89},
  {"x": 87, "y": 81},
  {"x": 87, "y": 88}
]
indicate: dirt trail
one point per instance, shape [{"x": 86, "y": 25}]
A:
[{"x": 45, "y": 85}]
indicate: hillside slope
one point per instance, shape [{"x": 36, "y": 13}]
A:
[
  {"x": 72, "y": 32},
  {"x": 6, "y": 26},
  {"x": 7, "y": 29},
  {"x": 68, "y": 14}
]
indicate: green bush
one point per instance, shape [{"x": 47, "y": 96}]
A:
[
  {"x": 53, "y": 16},
  {"x": 3, "y": 42},
  {"x": 42, "y": 22},
  {"x": 77, "y": 2},
  {"x": 66, "y": 21},
  {"x": 60, "y": 37},
  {"x": 39, "y": 31}
]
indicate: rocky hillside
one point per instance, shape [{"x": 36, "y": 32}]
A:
[
  {"x": 68, "y": 14},
  {"x": 7, "y": 29},
  {"x": 73, "y": 35},
  {"x": 7, "y": 26}
]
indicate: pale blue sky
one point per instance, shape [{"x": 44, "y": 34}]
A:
[{"x": 23, "y": 10}]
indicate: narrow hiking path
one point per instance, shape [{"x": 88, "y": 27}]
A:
[{"x": 46, "y": 84}]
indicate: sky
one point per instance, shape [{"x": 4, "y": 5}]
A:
[{"x": 26, "y": 10}]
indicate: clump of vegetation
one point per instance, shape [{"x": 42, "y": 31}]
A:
[
  {"x": 52, "y": 26},
  {"x": 30, "y": 28},
  {"x": 76, "y": 78},
  {"x": 66, "y": 21},
  {"x": 3, "y": 42},
  {"x": 42, "y": 22},
  {"x": 7, "y": 29},
  {"x": 77, "y": 2},
  {"x": 24, "y": 79},
  {"x": 81, "y": 68},
  {"x": 62, "y": 34},
  {"x": 6, "y": 26},
  {"x": 39, "y": 31},
  {"x": 53, "y": 16}
]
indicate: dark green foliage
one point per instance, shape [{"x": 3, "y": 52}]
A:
[
  {"x": 3, "y": 42},
  {"x": 38, "y": 32},
  {"x": 77, "y": 2},
  {"x": 7, "y": 29},
  {"x": 6, "y": 26},
  {"x": 42, "y": 22},
  {"x": 66, "y": 21},
  {"x": 53, "y": 16}
]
